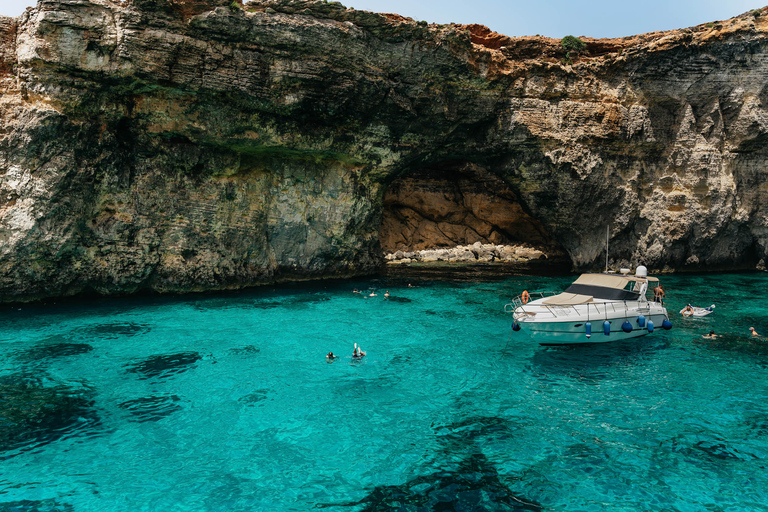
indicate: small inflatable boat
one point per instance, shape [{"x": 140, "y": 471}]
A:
[{"x": 695, "y": 311}]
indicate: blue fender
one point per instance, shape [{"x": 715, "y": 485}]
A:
[
  {"x": 606, "y": 327},
  {"x": 641, "y": 321},
  {"x": 650, "y": 325}
]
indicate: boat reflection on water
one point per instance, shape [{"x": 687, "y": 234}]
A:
[{"x": 593, "y": 362}]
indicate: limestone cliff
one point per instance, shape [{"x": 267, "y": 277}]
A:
[{"x": 177, "y": 145}]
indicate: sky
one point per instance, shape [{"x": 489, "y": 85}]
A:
[{"x": 551, "y": 18}]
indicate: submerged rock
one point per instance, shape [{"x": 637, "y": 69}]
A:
[
  {"x": 473, "y": 485},
  {"x": 32, "y": 414},
  {"x": 49, "y": 505},
  {"x": 52, "y": 351},
  {"x": 162, "y": 366},
  {"x": 113, "y": 330}
]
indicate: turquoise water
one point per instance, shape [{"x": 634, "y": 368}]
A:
[{"x": 227, "y": 403}]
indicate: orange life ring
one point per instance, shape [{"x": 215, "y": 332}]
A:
[{"x": 525, "y": 296}]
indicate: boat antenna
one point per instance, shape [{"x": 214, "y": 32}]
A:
[{"x": 606, "y": 247}]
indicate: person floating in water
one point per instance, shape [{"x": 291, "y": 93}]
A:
[
  {"x": 373, "y": 293},
  {"x": 711, "y": 335},
  {"x": 330, "y": 356},
  {"x": 386, "y": 295},
  {"x": 358, "y": 352},
  {"x": 687, "y": 310},
  {"x": 754, "y": 332}
]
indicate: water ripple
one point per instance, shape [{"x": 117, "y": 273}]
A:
[{"x": 152, "y": 407}]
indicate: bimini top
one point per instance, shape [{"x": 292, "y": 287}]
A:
[
  {"x": 567, "y": 299},
  {"x": 600, "y": 286}
]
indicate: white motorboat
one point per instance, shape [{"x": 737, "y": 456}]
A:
[{"x": 596, "y": 308}]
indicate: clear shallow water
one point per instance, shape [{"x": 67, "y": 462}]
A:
[{"x": 228, "y": 404}]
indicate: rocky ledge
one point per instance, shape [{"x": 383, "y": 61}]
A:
[
  {"x": 475, "y": 253},
  {"x": 178, "y": 145}
]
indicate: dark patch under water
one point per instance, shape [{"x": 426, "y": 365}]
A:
[
  {"x": 290, "y": 301},
  {"x": 153, "y": 407},
  {"x": 721, "y": 450},
  {"x": 244, "y": 351},
  {"x": 165, "y": 365},
  {"x": 31, "y": 413},
  {"x": 473, "y": 485},
  {"x": 712, "y": 447},
  {"x": 471, "y": 429},
  {"x": 393, "y": 298},
  {"x": 591, "y": 362},
  {"x": 52, "y": 351},
  {"x": 114, "y": 330},
  {"x": 36, "y": 506},
  {"x": 750, "y": 346},
  {"x": 257, "y": 396}
]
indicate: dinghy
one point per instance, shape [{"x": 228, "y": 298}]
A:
[{"x": 696, "y": 311}]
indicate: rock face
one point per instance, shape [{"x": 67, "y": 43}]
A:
[{"x": 177, "y": 145}]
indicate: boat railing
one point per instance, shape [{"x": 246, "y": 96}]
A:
[
  {"x": 518, "y": 301},
  {"x": 600, "y": 308},
  {"x": 597, "y": 309}
]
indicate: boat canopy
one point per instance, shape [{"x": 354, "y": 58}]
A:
[
  {"x": 567, "y": 299},
  {"x": 609, "y": 286}
]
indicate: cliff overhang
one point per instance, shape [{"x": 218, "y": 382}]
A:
[{"x": 180, "y": 145}]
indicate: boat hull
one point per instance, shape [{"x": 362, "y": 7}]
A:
[
  {"x": 550, "y": 325},
  {"x": 575, "y": 332}
]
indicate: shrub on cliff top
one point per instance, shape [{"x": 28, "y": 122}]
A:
[{"x": 573, "y": 44}]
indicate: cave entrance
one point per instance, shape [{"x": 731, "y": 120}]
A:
[{"x": 458, "y": 204}]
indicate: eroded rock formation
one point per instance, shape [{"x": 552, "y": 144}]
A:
[
  {"x": 178, "y": 145},
  {"x": 453, "y": 205}
]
